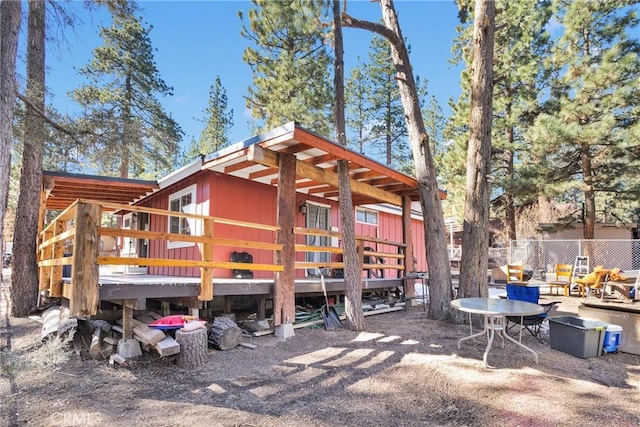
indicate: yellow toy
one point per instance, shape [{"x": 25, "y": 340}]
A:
[
  {"x": 592, "y": 280},
  {"x": 616, "y": 276}
]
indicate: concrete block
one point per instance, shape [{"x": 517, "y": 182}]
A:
[
  {"x": 284, "y": 331},
  {"x": 129, "y": 349}
]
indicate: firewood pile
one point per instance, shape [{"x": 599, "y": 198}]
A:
[{"x": 103, "y": 340}]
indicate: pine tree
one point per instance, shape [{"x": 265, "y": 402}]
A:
[
  {"x": 388, "y": 132},
  {"x": 218, "y": 121},
  {"x": 586, "y": 132},
  {"x": 9, "y": 32},
  {"x": 520, "y": 47},
  {"x": 357, "y": 93},
  {"x": 290, "y": 64},
  {"x": 129, "y": 126},
  {"x": 25, "y": 279}
]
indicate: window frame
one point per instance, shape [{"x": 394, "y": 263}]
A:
[
  {"x": 191, "y": 190},
  {"x": 368, "y": 212}
]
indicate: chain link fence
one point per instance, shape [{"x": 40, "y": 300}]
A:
[{"x": 542, "y": 255}]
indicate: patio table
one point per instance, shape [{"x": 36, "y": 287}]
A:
[{"x": 494, "y": 311}]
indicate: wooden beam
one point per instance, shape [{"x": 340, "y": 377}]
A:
[
  {"x": 238, "y": 166},
  {"x": 308, "y": 138},
  {"x": 206, "y": 273},
  {"x": 84, "y": 276},
  {"x": 284, "y": 287},
  {"x": 263, "y": 173},
  {"x": 55, "y": 288},
  {"x": 270, "y": 158}
]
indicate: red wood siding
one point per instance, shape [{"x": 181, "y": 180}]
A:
[{"x": 243, "y": 200}]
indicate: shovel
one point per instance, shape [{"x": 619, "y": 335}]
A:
[{"x": 329, "y": 316}]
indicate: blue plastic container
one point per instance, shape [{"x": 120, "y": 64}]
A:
[{"x": 612, "y": 337}]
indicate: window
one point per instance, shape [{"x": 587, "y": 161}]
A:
[
  {"x": 182, "y": 201},
  {"x": 366, "y": 216}
]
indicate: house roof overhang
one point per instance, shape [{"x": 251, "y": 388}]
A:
[
  {"x": 65, "y": 188},
  {"x": 256, "y": 159}
]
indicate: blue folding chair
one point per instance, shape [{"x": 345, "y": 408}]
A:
[{"x": 530, "y": 323}]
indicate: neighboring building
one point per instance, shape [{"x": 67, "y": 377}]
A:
[{"x": 617, "y": 230}]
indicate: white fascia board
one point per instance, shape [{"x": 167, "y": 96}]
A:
[{"x": 180, "y": 174}]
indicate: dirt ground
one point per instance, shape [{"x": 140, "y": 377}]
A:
[{"x": 405, "y": 370}]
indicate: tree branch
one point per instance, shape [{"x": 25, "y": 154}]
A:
[
  {"x": 351, "y": 22},
  {"x": 45, "y": 117}
]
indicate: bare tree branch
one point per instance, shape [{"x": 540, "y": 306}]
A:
[
  {"x": 42, "y": 114},
  {"x": 349, "y": 21}
]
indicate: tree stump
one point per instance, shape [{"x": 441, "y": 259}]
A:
[
  {"x": 193, "y": 348},
  {"x": 225, "y": 334}
]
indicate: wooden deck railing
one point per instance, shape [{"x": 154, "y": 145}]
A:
[{"x": 80, "y": 227}]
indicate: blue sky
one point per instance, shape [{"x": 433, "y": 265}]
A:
[{"x": 197, "y": 40}]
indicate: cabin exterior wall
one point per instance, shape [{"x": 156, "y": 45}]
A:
[{"x": 226, "y": 196}]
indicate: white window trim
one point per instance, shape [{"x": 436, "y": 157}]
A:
[
  {"x": 368, "y": 223},
  {"x": 190, "y": 189}
]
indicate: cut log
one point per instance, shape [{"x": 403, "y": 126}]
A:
[
  {"x": 193, "y": 348},
  {"x": 225, "y": 334}
]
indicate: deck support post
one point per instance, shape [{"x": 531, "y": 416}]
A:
[
  {"x": 262, "y": 308},
  {"x": 407, "y": 237},
  {"x": 206, "y": 273},
  {"x": 127, "y": 321},
  {"x": 85, "y": 273},
  {"x": 284, "y": 286},
  {"x": 165, "y": 308}
]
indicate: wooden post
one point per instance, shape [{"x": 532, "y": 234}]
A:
[
  {"x": 206, "y": 273},
  {"x": 44, "y": 273},
  {"x": 55, "y": 289},
  {"x": 85, "y": 274},
  {"x": 165, "y": 308},
  {"x": 127, "y": 321},
  {"x": 284, "y": 286},
  {"x": 262, "y": 308},
  {"x": 407, "y": 235}
]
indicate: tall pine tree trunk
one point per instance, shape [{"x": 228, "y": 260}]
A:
[
  {"x": 589, "y": 219},
  {"x": 9, "y": 29},
  {"x": 440, "y": 291},
  {"x": 24, "y": 295},
  {"x": 508, "y": 156},
  {"x": 352, "y": 272},
  {"x": 475, "y": 236}
]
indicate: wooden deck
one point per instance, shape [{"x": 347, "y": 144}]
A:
[
  {"x": 135, "y": 286},
  {"x": 135, "y": 289}
]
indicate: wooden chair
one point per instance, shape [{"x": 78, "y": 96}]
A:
[
  {"x": 564, "y": 274},
  {"x": 515, "y": 274}
]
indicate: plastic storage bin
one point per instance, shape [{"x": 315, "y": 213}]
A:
[
  {"x": 612, "y": 337},
  {"x": 576, "y": 336}
]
